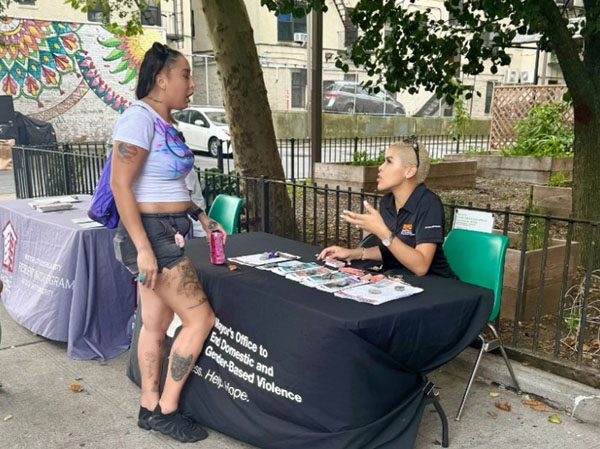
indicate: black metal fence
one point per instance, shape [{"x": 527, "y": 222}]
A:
[
  {"x": 295, "y": 154},
  {"x": 60, "y": 169},
  {"x": 551, "y": 296}
]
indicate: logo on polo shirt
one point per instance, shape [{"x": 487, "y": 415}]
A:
[
  {"x": 10, "y": 246},
  {"x": 407, "y": 229}
]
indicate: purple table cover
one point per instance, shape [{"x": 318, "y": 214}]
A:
[{"x": 63, "y": 282}]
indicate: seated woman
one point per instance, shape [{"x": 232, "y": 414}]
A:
[{"x": 410, "y": 222}]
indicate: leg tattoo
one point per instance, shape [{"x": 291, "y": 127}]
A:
[
  {"x": 180, "y": 366},
  {"x": 188, "y": 284},
  {"x": 150, "y": 359},
  {"x": 201, "y": 301}
]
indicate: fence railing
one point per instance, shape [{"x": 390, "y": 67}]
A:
[
  {"x": 551, "y": 298},
  {"x": 64, "y": 162},
  {"x": 295, "y": 154},
  {"x": 60, "y": 169}
]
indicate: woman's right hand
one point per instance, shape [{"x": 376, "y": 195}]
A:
[
  {"x": 336, "y": 252},
  {"x": 147, "y": 267}
]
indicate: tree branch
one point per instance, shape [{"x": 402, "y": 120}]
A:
[
  {"x": 567, "y": 51},
  {"x": 591, "y": 40}
]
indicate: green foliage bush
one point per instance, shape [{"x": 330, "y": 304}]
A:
[
  {"x": 559, "y": 179},
  {"x": 543, "y": 132},
  {"x": 361, "y": 158}
]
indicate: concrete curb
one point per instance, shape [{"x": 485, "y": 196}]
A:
[{"x": 580, "y": 401}]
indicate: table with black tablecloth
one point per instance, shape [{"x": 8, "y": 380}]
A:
[
  {"x": 289, "y": 366},
  {"x": 63, "y": 282}
]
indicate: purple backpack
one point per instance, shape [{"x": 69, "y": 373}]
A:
[{"x": 103, "y": 208}]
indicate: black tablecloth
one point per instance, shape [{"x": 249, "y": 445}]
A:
[{"x": 336, "y": 373}]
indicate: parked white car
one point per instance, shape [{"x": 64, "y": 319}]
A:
[{"x": 204, "y": 128}]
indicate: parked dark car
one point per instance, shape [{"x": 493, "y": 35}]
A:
[{"x": 349, "y": 96}]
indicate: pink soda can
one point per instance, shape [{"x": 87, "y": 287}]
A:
[{"x": 217, "y": 249}]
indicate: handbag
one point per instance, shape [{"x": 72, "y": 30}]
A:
[{"x": 103, "y": 208}]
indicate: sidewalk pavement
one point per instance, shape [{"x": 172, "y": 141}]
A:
[{"x": 38, "y": 409}]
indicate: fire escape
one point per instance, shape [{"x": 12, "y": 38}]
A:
[
  {"x": 175, "y": 24},
  {"x": 350, "y": 31}
]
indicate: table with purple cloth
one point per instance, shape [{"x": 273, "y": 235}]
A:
[{"x": 61, "y": 281}]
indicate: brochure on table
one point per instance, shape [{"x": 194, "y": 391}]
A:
[{"x": 343, "y": 285}]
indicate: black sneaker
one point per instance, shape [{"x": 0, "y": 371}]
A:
[
  {"x": 143, "y": 418},
  {"x": 177, "y": 426}
]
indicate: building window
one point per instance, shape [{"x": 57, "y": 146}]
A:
[
  {"x": 489, "y": 90},
  {"x": 96, "y": 14},
  {"x": 299, "y": 89},
  {"x": 151, "y": 15},
  {"x": 287, "y": 25},
  {"x": 25, "y": 2}
]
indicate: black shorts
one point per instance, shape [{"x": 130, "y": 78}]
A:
[{"x": 161, "y": 230}]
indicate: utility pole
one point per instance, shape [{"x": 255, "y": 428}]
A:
[{"x": 316, "y": 84}]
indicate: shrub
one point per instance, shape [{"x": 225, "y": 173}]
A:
[
  {"x": 559, "y": 179},
  {"x": 362, "y": 158},
  {"x": 461, "y": 120},
  {"x": 543, "y": 132}
]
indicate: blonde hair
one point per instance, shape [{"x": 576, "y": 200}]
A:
[
  {"x": 406, "y": 153},
  {"x": 407, "y": 156}
]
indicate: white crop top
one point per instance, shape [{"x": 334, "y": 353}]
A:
[{"x": 162, "y": 177}]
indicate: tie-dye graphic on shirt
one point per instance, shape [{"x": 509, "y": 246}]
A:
[{"x": 177, "y": 155}]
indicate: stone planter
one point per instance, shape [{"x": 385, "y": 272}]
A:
[
  {"x": 555, "y": 201},
  {"x": 551, "y": 290},
  {"x": 452, "y": 175},
  {"x": 534, "y": 170},
  {"x": 346, "y": 176}
]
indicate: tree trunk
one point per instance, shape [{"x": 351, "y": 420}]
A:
[
  {"x": 586, "y": 179},
  {"x": 581, "y": 76},
  {"x": 248, "y": 111}
]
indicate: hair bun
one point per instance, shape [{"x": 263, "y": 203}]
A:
[{"x": 160, "y": 49}]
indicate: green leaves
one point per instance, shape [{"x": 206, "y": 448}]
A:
[
  {"x": 361, "y": 158},
  {"x": 543, "y": 132},
  {"x": 405, "y": 48}
]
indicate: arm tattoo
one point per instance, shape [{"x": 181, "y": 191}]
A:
[
  {"x": 212, "y": 224},
  {"x": 180, "y": 366},
  {"x": 127, "y": 152}
]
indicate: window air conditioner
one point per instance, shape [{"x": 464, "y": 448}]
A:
[
  {"x": 300, "y": 37},
  {"x": 511, "y": 77},
  {"x": 527, "y": 76}
]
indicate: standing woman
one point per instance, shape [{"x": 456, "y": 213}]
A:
[{"x": 149, "y": 164}]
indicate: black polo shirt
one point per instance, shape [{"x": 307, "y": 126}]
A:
[{"x": 420, "y": 220}]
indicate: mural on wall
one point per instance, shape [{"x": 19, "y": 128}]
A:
[
  {"x": 35, "y": 55},
  {"x": 48, "y": 67}
]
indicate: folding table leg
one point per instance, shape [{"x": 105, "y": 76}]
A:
[{"x": 432, "y": 396}]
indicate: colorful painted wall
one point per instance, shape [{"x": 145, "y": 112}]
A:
[{"x": 78, "y": 76}]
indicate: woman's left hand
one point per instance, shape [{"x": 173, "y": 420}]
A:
[{"x": 371, "y": 222}]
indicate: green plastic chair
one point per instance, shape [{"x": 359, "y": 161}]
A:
[
  {"x": 478, "y": 258},
  {"x": 226, "y": 210}
]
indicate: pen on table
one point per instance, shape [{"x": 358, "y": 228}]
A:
[{"x": 287, "y": 255}]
